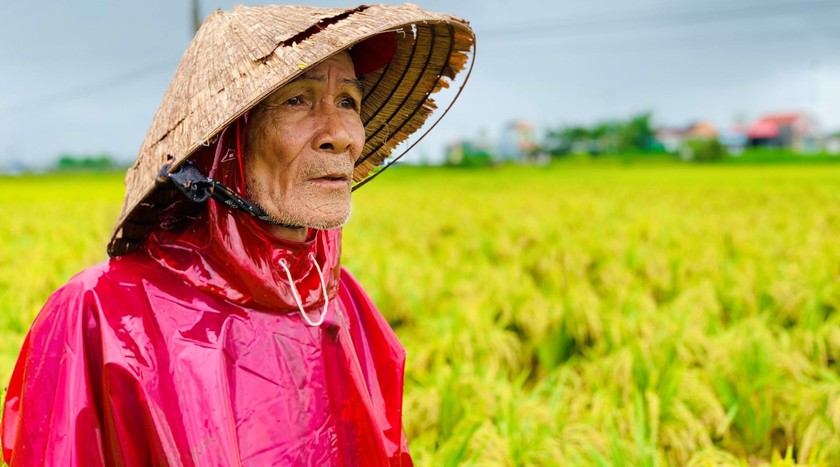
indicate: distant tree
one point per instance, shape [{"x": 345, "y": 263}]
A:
[
  {"x": 466, "y": 154},
  {"x": 576, "y": 133},
  {"x": 605, "y": 135},
  {"x": 554, "y": 143},
  {"x": 99, "y": 162},
  {"x": 559, "y": 142},
  {"x": 611, "y": 136},
  {"x": 703, "y": 150},
  {"x": 636, "y": 134},
  {"x": 603, "y": 129},
  {"x": 67, "y": 162}
]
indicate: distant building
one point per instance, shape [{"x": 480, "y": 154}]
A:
[
  {"x": 701, "y": 129},
  {"x": 467, "y": 153},
  {"x": 673, "y": 139},
  {"x": 832, "y": 144},
  {"x": 793, "y": 130},
  {"x": 14, "y": 167},
  {"x": 517, "y": 142},
  {"x": 734, "y": 139},
  {"x": 670, "y": 138}
]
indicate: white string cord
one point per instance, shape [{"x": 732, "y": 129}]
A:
[{"x": 296, "y": 295}]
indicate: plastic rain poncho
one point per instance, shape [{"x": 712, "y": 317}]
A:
[{"x": 192, "y": 351}]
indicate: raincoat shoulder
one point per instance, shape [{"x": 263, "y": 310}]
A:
[{"x": 52, "y": 414}]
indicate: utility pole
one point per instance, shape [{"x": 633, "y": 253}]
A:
[{"x": 196, "y": 15}]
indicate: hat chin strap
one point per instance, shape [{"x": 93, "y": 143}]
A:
[{"x": 199, "y": 188}]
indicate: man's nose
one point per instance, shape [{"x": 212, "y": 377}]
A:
[{"x": 333, "y": 135}]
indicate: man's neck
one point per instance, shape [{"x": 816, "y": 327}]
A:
[{"x": 294, "y": 234}]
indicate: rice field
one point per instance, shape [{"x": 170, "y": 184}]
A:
[{"x": 639, "y": 315}]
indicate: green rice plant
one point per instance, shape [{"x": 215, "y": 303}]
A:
[{"x": 563, "y": 315}]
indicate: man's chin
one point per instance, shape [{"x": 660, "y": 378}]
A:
[
  {"x": 329, "y": 223},
  {"x": 319, "y": 221}
]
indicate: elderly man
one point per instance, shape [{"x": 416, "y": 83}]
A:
[{"x": 223, "y": 330}]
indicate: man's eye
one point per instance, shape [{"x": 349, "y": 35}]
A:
[
  {"x": 297, "y": 100},
  {"x": 349, "y": 103}
]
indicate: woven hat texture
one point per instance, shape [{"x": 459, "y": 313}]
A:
[{"x": 239, "y": 57}]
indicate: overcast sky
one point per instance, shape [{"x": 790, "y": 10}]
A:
[{"x": 85, "y": 77}]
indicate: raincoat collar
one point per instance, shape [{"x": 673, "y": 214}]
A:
[{"x": 227, "y": 254}]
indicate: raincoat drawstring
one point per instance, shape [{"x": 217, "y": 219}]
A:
[{"x": 296, "y": 295}]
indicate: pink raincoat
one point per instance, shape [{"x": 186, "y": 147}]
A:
[{"x": 192, "y": 351}]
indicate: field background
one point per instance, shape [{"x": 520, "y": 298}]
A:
[{"x": 575, "y": 314}]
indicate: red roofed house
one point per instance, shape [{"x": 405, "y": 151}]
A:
[{"x": 793, "y": 130}]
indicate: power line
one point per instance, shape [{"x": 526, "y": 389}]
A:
[
  {"x": 653, "y": 18},
  {"x": 92, "y": 88},
  {"x": 684, "y": 42},
  {"x": 571, "y": 38},
  {"x": 559, "y": 29}
]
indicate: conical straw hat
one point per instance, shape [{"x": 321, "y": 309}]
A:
[{"x": 239, "y": 57}]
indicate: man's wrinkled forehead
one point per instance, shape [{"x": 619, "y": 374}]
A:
[{"x": 318, "y": 76}]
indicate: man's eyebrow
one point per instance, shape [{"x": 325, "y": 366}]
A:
[
  {"x": 355, "y": 82},
  {"x": 352, "y": 82},
  {"x": 308, "y": 77}
]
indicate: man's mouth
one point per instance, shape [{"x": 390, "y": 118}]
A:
[{"x": 333, "y": 177}]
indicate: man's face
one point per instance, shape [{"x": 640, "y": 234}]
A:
[{"x": 302, "y": 143}]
